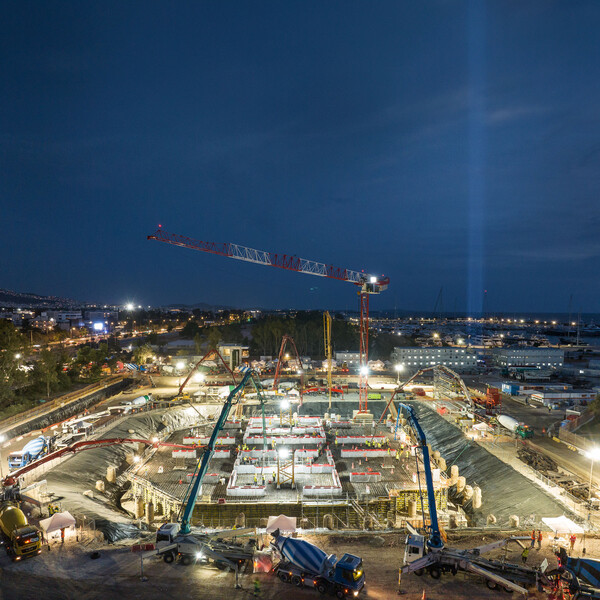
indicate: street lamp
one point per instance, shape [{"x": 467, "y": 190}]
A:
[
  {"x": 179, "y": 366},
  {"x": 2, "y": 439},
  {"x": 593, "y": 454},
  {"x": 199, "y": 377},
  {"x": 399, "y": 367}
]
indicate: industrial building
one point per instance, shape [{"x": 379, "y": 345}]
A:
[
  {"x": 529, "y": 357},
  {"x": 457, "y": 359}
]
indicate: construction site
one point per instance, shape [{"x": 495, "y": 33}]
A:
[
  {"x": 244, "y": 476},
  {"x": 324, "y": 470}
]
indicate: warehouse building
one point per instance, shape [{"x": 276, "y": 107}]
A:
[
  {"x": 529, "y": 357},
  {"x": 457, "y": 359}
]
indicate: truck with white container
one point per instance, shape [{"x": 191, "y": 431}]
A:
[
  {"x": 33, "y": 450},
  {"x": 305, "y": 565},
  {"x": 519, "y": 429}
]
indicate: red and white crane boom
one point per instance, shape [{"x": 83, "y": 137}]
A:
[{"x": 369, "y": 284}]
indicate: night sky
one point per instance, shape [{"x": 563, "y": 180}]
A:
[{"x": 442, "y": 143}]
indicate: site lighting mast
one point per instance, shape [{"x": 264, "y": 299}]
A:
[{"x": 368, "y": 284}]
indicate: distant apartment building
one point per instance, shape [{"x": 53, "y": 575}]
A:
[
  {"x": 457, "y": 359},
  {"x": 63, "y": 316},
  {"x": 352, "y": 359},
  {"x": 529, "y": 357}
]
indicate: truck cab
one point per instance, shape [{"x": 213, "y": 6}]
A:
[
  {"x": 524, "y": 431},
  {"x": 167, "y": 532},
  {"x": 16, "y": 460},
  {"x": 414, "y": 547},
  {"x": 25, "y": 542},
  {"x": 349, "y": 573}
]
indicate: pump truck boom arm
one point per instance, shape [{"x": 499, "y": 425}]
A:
[
  {"x": 189, "y": 500},
  {"x": 435, "y": 538}
]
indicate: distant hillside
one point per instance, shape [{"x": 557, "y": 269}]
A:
[{"x": 10, "y": 299}]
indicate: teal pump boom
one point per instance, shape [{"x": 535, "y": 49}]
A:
[{"x": 192, "y": 492}]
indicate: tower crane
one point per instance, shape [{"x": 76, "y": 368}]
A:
[
  {"x": 328, "y": 352},
  {"x": 367, "y": 284}
]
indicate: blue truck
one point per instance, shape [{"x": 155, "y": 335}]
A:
[
  {"x": 305, "y": 565},
  {"x": 583, "y": 575},
  {"x": 32, "y": 451}
]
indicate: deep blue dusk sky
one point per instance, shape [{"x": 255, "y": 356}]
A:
[{"x": 442, "y": 143}]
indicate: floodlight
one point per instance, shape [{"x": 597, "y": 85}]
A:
[
  {"x": 364, "y": 371},
  {"x": 593, "y": 454},
  {"x": 285, "y": 404},
  {"x": 284, "y": 453},
  {"x": 180, "y": 365}
]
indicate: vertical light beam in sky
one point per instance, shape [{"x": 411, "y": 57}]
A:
[{"x": 476, "y": 153}]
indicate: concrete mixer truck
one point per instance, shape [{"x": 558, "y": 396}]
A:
[
  {"x": 519, "y": 429},
  {"x": 20, "y": 539},
  {"x": 305, "y": 565}
]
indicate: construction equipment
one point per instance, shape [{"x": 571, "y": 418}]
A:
[
  {"x": 400, "y": 389},
  {"x": 284, "y": 341},
  {"x": 328, "y": 351},
  {"x": 519, "y": 429},
  {"x": 582, "y": 575},
  {"x": 368, "y": 284},
  {"x": 20, "y": 539},
  {"x": 33, "y": 450},
  {"x": 13, "y": 478},
  {"x": 304, "y": 564},
  {"x": 209, "y": 355},
  {"x": 193, "y": 548},
  {"x": 432, "y": 556}
]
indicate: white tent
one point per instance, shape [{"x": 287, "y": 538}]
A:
[
  {"x": 57, "y": 521},
  {"x": 481, "y": 427},
  {"x": 283, "y": 523},
  {"x": 562, "y": 525}
]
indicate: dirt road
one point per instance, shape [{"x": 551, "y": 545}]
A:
[{"x": 68, "y": 572}]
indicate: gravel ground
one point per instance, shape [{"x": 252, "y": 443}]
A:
[{"x": 67, "y": 572}]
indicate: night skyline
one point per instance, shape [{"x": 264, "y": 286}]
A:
[{"x": 443, "y": 144}]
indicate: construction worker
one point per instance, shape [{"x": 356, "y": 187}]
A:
[
  {"x": 256, "y": 588},
  {"x": 539, "y": 540},
  {"x": 533, "y": 536},
  {"x": 572, "y": 541},
  {"x": 397, "y": 455},
  {"x": 255, "y": 480},
  {"x": 524, "y": 555}
]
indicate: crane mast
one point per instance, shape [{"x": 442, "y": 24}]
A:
[
  {"x": 328, "y": 352},
  {"x": 368, "y": 284}
]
